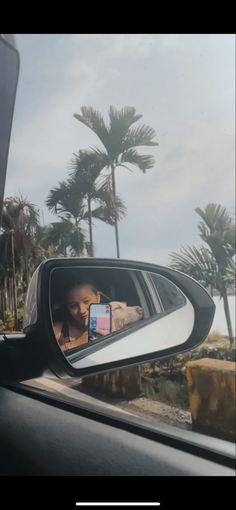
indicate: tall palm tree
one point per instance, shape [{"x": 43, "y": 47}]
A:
[
  {"x": 217, "y": 230},
  {"x": 213, "y": 265},
  {"x": 86, "y": 168},
  {"x": 120, "y": 140},
  {"x": 87, "y": 179}
]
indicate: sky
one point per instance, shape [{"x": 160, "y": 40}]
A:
[{"x": 183, "y": 85}]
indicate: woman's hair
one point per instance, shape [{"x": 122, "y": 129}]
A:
[
  {"x": 62, "y": 313},
  {"x": 104, "y": 297},
  {"x": 76, "y": 285}
]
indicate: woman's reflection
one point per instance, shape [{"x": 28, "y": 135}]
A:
[{"x": 72, "y": 331}]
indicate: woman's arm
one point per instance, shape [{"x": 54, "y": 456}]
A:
[
  {"x": 57, "y": 330},
  {"x": 77, "y": 342}
]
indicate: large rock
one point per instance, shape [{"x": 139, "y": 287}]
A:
[
  {"x": 211, "y": 386},
  {"x": 125, "y": 382}
]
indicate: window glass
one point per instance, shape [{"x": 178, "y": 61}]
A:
[
  {"x": 123, "y": 146},
  {"x": 170, "y": 295}
]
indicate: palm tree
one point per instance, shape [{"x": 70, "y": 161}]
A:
[
  {"x": 20, "y": 216},
  {"x": 65, "y": 201},
  {"x": 213, "y": 265},
  {"x": 17, "y": 240},
  {"x": 62, "y": 237},
  {"x": 120, "y": 140},
  {"x": 87, "y": 167},
  {"x": 217, "y": 230}
]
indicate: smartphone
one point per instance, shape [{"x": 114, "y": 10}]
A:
[{"x": 99, "y": 318}]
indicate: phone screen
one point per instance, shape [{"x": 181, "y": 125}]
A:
[{"x": 99, "y": 319}]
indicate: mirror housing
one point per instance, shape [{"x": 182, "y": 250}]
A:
[
  {"x": 122, "y": 348},
  {"x": 10, "y": 64}
]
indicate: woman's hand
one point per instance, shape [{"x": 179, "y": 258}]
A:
[{"x": 101, "y": 332}]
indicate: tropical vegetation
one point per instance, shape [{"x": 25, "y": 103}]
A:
[{"x": 213, "y": 263}]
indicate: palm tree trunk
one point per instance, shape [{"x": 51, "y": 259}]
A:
[
  {"x": 14, "y": 277},
  {"x": 26, "y": 269},
  {"x": 90, "y": 227},
  {"x": 227, "y": 315},
  {"x": 116, "y": 222}
]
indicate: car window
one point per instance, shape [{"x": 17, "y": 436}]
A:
[
  {"x": 123, "y": 146},
  {"x": 170, "y": 296}
]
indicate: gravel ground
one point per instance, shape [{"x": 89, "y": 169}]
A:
[{"x": 153, "y": 411}]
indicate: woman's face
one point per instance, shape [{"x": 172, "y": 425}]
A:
[{"x": 78, "y": 301}]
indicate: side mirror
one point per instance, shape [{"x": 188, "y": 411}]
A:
[{"x": 156, "y": 312}]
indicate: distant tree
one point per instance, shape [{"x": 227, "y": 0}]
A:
[
  {"x": 65, "y": 202},
  {"x": 212, "y": 264},
  {"x": 20, "y": 221},
  {"x": 64, "y": 238}
]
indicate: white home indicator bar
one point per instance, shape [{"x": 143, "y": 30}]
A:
[{"x": 118, "y": 504}]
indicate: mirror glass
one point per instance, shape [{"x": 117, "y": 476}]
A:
[{"x": 91, "y": 307}]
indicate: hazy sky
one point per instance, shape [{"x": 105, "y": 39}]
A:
[{"x": 183, "y": 85}]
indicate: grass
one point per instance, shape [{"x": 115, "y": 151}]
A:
[{"x": 214, "y": 336}]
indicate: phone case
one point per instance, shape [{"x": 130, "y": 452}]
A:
[{"x": 99, "y": 318}]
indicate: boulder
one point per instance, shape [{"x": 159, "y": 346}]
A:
[{"x": 211, "y": 388}]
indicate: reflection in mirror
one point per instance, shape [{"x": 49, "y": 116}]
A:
[{"x": 88, "y": 304}]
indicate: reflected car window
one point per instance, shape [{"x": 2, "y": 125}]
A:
[{"x": 169, "y": 294}]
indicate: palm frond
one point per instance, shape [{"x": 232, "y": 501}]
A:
[
  {"x": 197, "y": 263},
  {"x": 142, "y": 161},
  {"x": 93, "y": 119},
  {"x": 230, "y": 274},
  {"x": 103, "y": 159},
  {"x": 123, "y": 118},
  {"x": 66, "y": 200},
  {"x": 215, "y": 218},
  {"x": 120, "y": 122},
  {"x": 114, "y": 205},
  {"x": 86, "y": 166},
  {"x": 139, "y": 136},
  {"x": 217, "y": 230}
]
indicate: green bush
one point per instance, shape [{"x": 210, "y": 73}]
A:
[{"x": 2, "y": 326}]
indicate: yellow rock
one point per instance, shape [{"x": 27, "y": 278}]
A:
[{"x": 211, "y": 385}]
